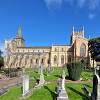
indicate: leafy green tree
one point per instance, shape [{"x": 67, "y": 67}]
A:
[
  {"x": 94, "y": 48},
  {"x": 0, "y": 53}
]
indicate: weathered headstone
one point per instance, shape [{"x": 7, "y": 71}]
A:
[
  {"x": 96, "y": 88},
  {"x": 41, "y": 68},
  {"x": 63, "y": 80},
  {"x": 59, "y": 85},
  {"x": 19, "y": 73},
  {"x": 41, "y": 81},
  {"x": 49, "y": 68},
  {"x": 25, "y": 84},
  {"x": 98, "y": 67},
  {"x": 95, "y": 71},
  {"x": 62, "y": 94}
]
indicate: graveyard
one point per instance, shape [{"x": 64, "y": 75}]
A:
[
  {"x": 72, "y": 81},
  {"x": 48, "y": 90},
  {"x": 50, "y": 50}
]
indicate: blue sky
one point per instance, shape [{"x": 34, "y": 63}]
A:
[{"x": 47, "y": 22}]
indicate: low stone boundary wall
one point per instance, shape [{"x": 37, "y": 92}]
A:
[{"x": 5, "y": 88}]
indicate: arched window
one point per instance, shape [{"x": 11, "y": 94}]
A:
[
  {"x": 42, "y": 61},
  {"x": 62, "y": 59},
  {"x": 82, "y": 50},
  {"x": 55, "y": 59},
  {"x": 37, "y": 61}
]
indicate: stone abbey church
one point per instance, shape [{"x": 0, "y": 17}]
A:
[{"x": 18, "y": 55}]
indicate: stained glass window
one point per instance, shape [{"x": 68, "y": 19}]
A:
[{"x": 82, "y": 50}]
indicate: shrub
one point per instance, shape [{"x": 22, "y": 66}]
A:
[
  {"x": 74, "y": 70},
  {"x": 1, "y": 62}
]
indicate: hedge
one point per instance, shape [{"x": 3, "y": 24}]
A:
[{"x": 74, "y": 70}]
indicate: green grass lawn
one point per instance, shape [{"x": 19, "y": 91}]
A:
[
  {"x": 13, "y": 94},
  {"x": 47, "y": 92},
  {"x": 86, "y": 75}
]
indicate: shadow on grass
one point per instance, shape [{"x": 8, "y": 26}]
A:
[
  {"x": 67, "y": 77},
  {"x": 45, "y": 74},
  {"x": 37, "y": 80},
  {"x": 36, "y": 71},
  {"x": 87, "y": 85},
  {"x": 88, "y": 70},
  {"x": 53, "y": 94},
  {"x": 79, "y": 93},
  {"x": 59, "y": 76}
]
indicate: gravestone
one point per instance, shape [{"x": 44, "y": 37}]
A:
[
  {"x": 96, "y": 88},
  {"x": 19, "y": 73},
  {"x": 63, "y": 80},
  {"x": 41, "y": 81},
  {"x": 39, "y": 65},
  {"x": 25, "y": 85},
  {"x": 49, "y": 68},
  {"x": 62, "y": 94},
  {"x": 95, "y": 71},
  {"x": 41, "y": 68}
]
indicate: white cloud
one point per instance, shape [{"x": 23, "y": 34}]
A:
[
  {"x": 81, "y": 3},
  {"x": 91, "y": 16},
  {"x": 91, "y": 5},
  {"x": 53, "y": 4}
]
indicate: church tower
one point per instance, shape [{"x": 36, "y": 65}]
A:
[
  {"x": 19, "y": 38},
  {"x": 77, "y": 34}
]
